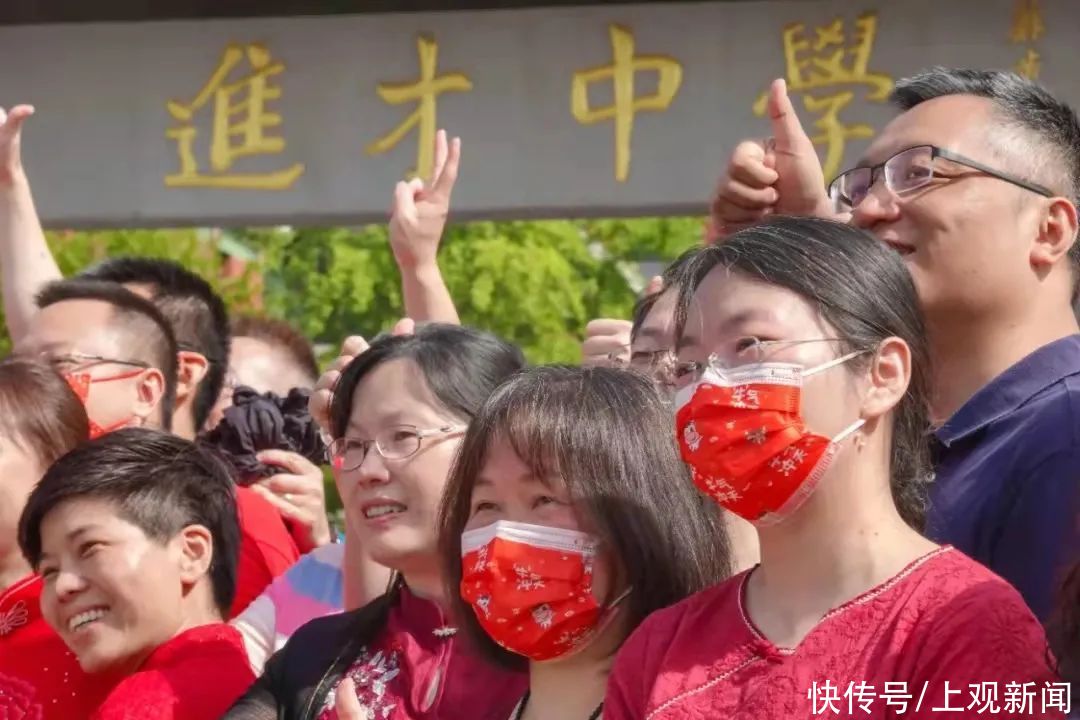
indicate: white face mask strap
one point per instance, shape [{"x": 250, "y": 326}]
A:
[
  {"x": 849, "y": 431},
  {"x": 832, "y": 363}
]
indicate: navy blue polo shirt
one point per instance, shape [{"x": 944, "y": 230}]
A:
[{"x": 1007, "y": 491}]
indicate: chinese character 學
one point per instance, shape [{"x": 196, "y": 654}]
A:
[
  {"x": 1027, "y": 27},
  {"x": 831, "y": 62},
  {"x": 240, "y": 123},
  {"x": 622, "y": 73},
  {"x": 423, "y": 92}
]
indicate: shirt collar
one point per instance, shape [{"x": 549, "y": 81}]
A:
[{"x": 1012, "y": 388}]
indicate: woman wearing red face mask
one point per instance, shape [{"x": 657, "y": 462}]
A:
[
  {"x": 802, "y": 409},
  {"x": 567, "y": 520}
]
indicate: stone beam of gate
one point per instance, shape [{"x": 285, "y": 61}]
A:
[{"x": 571, "y": 111}]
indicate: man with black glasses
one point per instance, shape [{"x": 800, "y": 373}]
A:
[{"x": 975, "y": 183}]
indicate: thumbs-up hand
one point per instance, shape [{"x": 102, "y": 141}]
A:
[{"x": 782, "y": 175}]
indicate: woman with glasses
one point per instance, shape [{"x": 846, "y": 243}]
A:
[
  {"x": 398, "y": 414},
  {"x": 570, "y": 517},
  {"x": 802, "y": 408}
]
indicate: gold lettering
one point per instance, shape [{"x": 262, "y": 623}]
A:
[
  {"x": 423, "y": 92},
  {"x": 1027, "y": 27},
  {"x": 829, "y": 61},
  {"x": 240, "y": 121},
  {"x": 622, "y": 72}
]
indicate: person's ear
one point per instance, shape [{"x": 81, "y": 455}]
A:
[
  {"x": 1057, "y": 233},
  {"x": 889, "y": 376},
  {"x": 149, "y": 391},
  {"x": 194, "y": 547},
  {"x": 191, "y": 368}
]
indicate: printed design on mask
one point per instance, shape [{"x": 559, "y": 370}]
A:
[
  {"x": 749, "y": 449},
  {"x": 533, "y": 595},
  {"x": 527, "y": 580},
  {"x": 372, "y": 674},
  {"x": 15, "y": 617},
  {"x": 691, "y": 437}
]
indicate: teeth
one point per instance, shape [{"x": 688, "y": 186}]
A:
[
  {"x": 85, "y": 617},
  {"x": 380, "y": 510}
]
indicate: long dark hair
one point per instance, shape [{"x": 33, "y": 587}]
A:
[
  {"x": 39, "y": 411},
  {"x": 1063, "y": 630},
  {"x": 863, "y": 290},
  {"x": 461, "y": 367},
  {"x": 608, "y": 435}
]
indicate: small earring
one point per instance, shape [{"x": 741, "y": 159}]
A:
[{"x": 860, "y": 441}]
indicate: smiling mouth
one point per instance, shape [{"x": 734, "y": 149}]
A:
[
  {"x": 83, "y": 619},
  {"x": 373, "y": 512}
]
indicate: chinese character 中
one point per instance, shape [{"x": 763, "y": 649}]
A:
[
  {"x": 948, "y": 707},
  {"x": 832, "y": 61},
  {"x": 622, "y": 72},
  {"x": 1020, "y": 699},
  {"x": 824, "y": 698},
  {"x": 984, "y": 698},
  {"x": 1027, "y": 27},
  {"x": 1057, "y": 696},
  {"x": 423, "y": 92},
  {"x": 240, "y": 122},
  {"x": 861, "y": 695}
]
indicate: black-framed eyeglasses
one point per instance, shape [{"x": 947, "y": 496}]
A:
[
  {"x": 909, "y": 170},
  {"x": 72, "y": 360},
  {"x": 393, "y": 443}
]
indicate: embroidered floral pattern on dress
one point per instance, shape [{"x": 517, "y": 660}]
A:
[
  {"x": 18, "y": 700},
  {"x": 16, "y": 616},
  {"x": 372, "y": 674}
]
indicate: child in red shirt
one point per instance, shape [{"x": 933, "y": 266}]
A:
[{"x": 135, "y": 536}]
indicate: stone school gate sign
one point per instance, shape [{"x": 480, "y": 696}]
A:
[{"x": 619, "y": 109}]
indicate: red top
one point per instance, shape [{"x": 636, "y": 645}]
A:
[
  {"x": 197, "y": 675},
  {"x": 418, "y": 669},
  {"x": 267, "y": 549},
  {"x": 40, "y": 678},
  {"x": 943, "y": 624}
]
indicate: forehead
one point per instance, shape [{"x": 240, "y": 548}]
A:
[
  {"x": 85, "y": 512},
  {"x": 395, "y": 391},
  {"x": 728, "y": 301},
  {"x": 659, "y": 322},
  {"x": 83, "y": 325},
  {"x": 935, "y": 122}
]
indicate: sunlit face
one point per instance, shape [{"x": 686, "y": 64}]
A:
[
  {"x": 392, "y": 504},
  {"x": 653, "y": 348},
  {"x": 730, "y": 310},
  {"x": 506, "y": 489},
  {"x": 966, "y": 237},
  {"x": 258, "y": 365},
  {"x": 71, "y": 331},
  {"x": 20, "y": 470},
  {"x": 111, "y": 593}
]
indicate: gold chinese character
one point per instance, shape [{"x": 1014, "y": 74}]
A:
[
  {"x": 829, "y": 61},
  {"x": 1027, "y": 23},
  {"x": 622, "y": 71},
  {"x": 423, "y": 91},
  {"x": 1029, "y": 65},
  {"x": 239, "y": 125}
]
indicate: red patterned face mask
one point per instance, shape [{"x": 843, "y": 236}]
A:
[
  {"x": 531, "y": 587},
  {"x": 742, "y": 433},
  {"x": 80, "y": 382}
]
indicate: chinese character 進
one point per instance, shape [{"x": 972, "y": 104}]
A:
[
  {"x": 1027, "y": 28},
  {"x": 1020, "y": 699},
  {"x": 824, "y": 698},
  {"x": 861, "y": 695},
  {"x": 984, "y": 698},
  {"x": 949, "y": 708},
  {"x": 423, "y": 92},
  {"x": 240, "y": 122},
  {"x": 622, "y": 72},
  {"x": 832, "y": 61},
  {"x": 1057, "y": 696}
]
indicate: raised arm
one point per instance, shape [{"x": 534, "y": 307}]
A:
[{"x": 26, "y": 264}]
